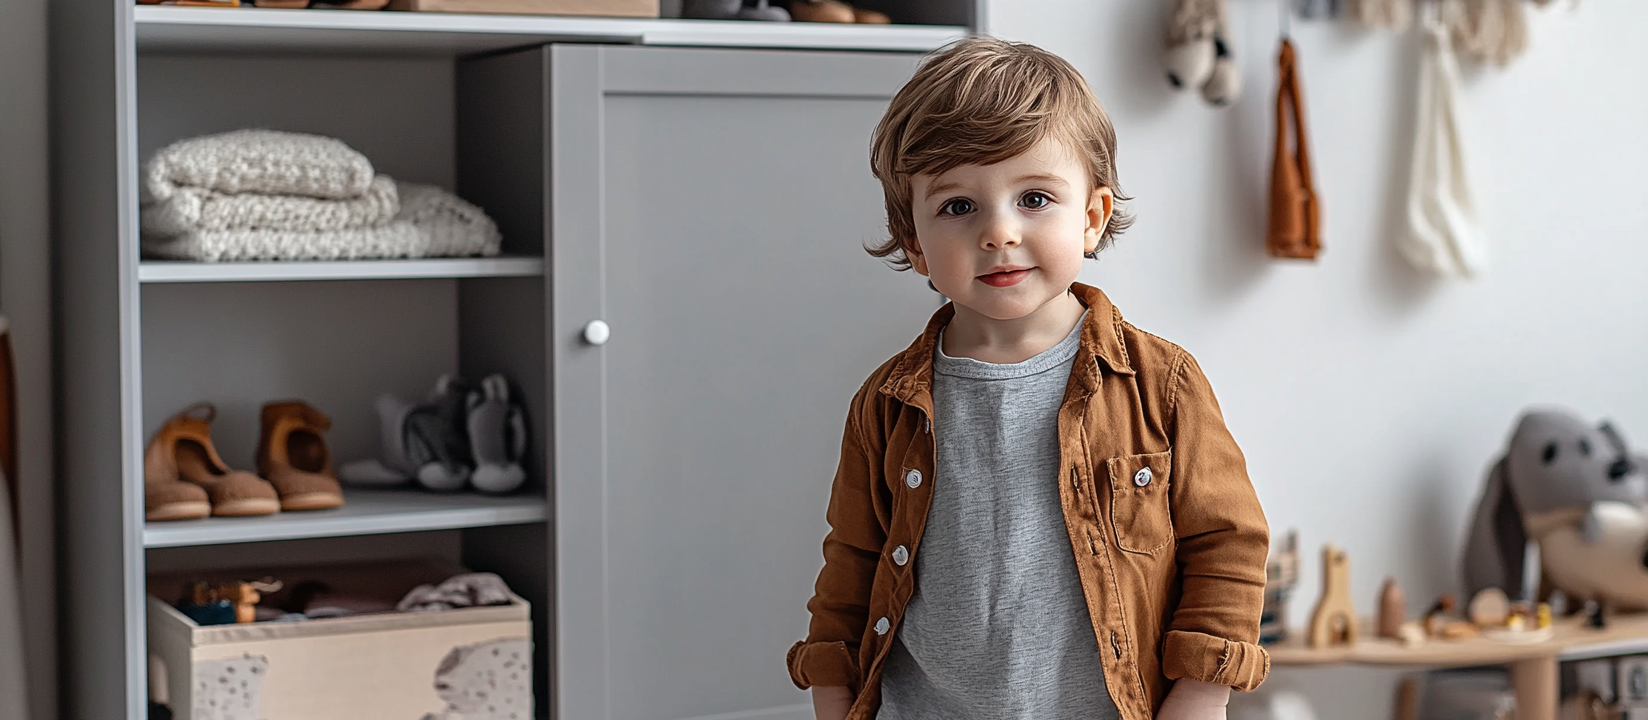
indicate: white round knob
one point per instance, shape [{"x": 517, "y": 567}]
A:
[{"x": 597, "y": 332}]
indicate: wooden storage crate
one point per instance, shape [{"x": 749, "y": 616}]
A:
[
  {"x": 601, "y": 8},
  {"x": 473, "y": 663}
]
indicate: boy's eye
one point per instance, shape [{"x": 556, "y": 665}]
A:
[
  {"x": 957, "y": 207},
  {"x": 1035, "y": 200}
]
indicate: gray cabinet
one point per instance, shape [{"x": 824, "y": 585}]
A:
[
  {"x": 708, "y": 204},
  {"x": 711, "y": 207}
]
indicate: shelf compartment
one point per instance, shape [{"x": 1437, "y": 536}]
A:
[
  {"x": 167, "y": 271},
  {"x": 183, "y": 29},
  {"x": 368, "y": 512}
]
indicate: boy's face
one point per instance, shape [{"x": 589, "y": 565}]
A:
[{"x": 1003, "y": 240}]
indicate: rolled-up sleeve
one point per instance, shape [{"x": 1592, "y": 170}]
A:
[
  {"x": 840, "y": 605},
  {"x": 1223, "y": 543}
]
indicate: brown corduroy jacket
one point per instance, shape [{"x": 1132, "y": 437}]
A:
[{"x": 1169, "y": 538}]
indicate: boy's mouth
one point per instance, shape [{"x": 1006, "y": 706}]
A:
[{"x": 1004, "y": 276}]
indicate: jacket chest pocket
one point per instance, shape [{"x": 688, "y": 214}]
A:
[{"x": 1139, "y": 510}]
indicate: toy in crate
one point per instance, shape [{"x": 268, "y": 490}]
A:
[{"x": 224, "y": 603}]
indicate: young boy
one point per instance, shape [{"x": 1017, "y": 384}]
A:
[{"x": 1039, "y": 513}]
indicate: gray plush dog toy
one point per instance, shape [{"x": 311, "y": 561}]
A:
[{"x": 1577, "y": 491}]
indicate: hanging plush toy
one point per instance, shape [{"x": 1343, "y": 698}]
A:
[{"x": 1198, "y": 51}]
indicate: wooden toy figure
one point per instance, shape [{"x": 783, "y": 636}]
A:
[
  {"x": 1490, "y": 608},
  {"x": 224, "y": 603},
  {"x": 245, "y": 597},
  {"x": 1440, "y": 614},
  {"x": 1393, "y": 609},
  {"x": 1334, "y": 622}
]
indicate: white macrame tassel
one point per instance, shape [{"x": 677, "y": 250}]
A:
[
  {"x": 1381, "y": 14},
  {"x": 1491, "y": 31},
  {"x": 1444, "y": 234}
]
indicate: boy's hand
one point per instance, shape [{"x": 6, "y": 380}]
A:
[
  {"x": 832, "y": 702},
  {"x": 1191, "y": 700}
]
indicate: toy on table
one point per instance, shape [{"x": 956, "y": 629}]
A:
[
  {"x": 1580, "y": 493},
  {"x": 224, "y": 603},
  {"x": 1442, "y": 621},
  {"x": 1440, "y": 614},
  {"x": 1459, "y": 630},
  {"x": 1594, "y": 618},
  {"x": 1490, "y": 607},
  {"x": 1501, "y": 620},
  {"x": 1411, "y": 634},
  {"x": 1393, "y": 609},
  {"x": 1334, "y": 622},
  {"x": 1281, "y": 577}
]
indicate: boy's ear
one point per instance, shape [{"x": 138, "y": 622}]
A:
[
  {"x": 1099, "y": 207},
  {"x": 918, "y": 261}
]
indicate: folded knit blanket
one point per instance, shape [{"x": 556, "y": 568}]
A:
[
  {"x": 431, "y": 223},
  {"x": 191, "y": 208},
  {"x": 259, "y": 161}
]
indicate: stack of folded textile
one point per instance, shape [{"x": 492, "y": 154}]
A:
[{"x": 268, "y": 195}]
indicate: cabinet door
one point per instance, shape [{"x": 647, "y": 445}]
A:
[{"x": 711, "y": 207}]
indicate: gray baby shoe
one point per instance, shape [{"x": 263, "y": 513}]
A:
[{"x": 497, "y": 437}]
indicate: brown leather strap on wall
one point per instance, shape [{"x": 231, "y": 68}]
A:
[{"x": 1294, "y": 208}]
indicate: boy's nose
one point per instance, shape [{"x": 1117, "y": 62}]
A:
[{"x": 999, "y": 235}]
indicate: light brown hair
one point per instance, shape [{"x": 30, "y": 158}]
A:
[{"x": 981, "y": 101}]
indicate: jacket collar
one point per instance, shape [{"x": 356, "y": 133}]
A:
[{"x": 911, "y": 380}]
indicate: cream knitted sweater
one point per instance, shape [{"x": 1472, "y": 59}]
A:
[
  {"x": 259, "y": 161},
  {"x": 191, "y": 208},
  {"x": 431, "y": 222},
  {"x": 270, "y": 195}
]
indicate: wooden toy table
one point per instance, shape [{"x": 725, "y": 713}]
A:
[{"x": 1533, "y": 665}]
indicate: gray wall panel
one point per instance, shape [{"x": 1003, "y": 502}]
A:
[{"x": 335, "y": 345}]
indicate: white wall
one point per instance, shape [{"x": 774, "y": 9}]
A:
[
  {"x": 25, "y": 299},
  {"x": 1370, "y": 398}
]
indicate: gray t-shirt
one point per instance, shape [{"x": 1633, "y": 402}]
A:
[{"x": 998, "y": 627}]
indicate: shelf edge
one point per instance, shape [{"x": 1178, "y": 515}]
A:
[
  {"x": 302, "y": 528},
  {"x": 516, "y": 28},
  {"x": 424, "y": 269}
]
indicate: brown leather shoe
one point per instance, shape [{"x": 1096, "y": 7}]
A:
[
  {"x": 292, "y": 454},
  {"x": 182, "y": 451},
  {"x": 830, "y": 11},
  {"x": 870, "y": 17},
  {"x": 173, "y": 499}
]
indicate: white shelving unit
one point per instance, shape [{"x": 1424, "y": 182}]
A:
[
  {"x": 142, "y": 338},
  {"x": 368, "y": 512},
  {"x": 165, "y": 271},
  {"x": 186, "y": 29}
]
